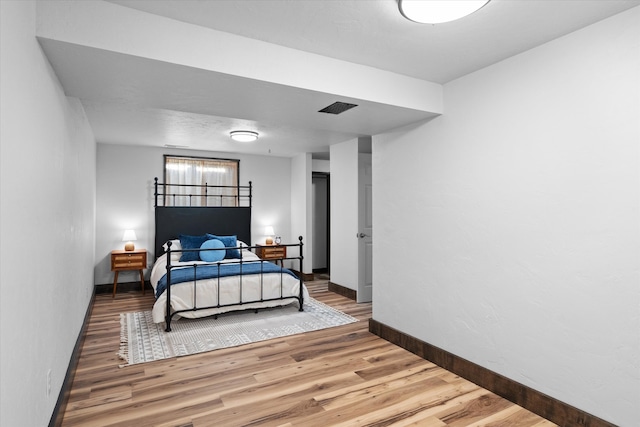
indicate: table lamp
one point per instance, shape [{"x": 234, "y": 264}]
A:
[
  {"x": 269, "y": 232},
  {"x": 129, "y": 237}
]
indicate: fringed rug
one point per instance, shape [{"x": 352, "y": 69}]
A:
[{"x": 142, "y": 341}]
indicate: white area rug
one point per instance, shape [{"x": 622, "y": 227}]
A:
[{"x": 142, "y": 341}]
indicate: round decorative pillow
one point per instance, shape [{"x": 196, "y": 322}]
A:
[{"x": 212, "y": 256}]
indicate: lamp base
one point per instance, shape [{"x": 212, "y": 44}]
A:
[
  {"x": 129, "y": 246},
  {"x": 269, "y": 241}
]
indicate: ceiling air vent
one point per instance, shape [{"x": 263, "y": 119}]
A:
[{"x": 337, "y": 108}]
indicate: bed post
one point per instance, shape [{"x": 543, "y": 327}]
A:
[
  {"x": 155, "y": 192},
  {"x": 301, "y": 296},
  {"x": 167, "y": 317}
]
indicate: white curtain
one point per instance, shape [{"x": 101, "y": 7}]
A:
[{"x": 202, "y": 172}]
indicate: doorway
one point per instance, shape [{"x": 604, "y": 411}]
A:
[{"x": 321, "y": 227}]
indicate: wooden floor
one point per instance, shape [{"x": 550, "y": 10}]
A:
[{"x": 343, "y": 376}]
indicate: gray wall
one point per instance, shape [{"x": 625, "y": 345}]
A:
[
  {"x": 47, "y": 223},
  {"x": 511, "y": 223}
]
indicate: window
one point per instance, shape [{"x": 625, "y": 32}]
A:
[{"x": 204, "y": 172}]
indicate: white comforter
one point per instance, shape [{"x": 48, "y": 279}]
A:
[{"x": 182, "y": 294}]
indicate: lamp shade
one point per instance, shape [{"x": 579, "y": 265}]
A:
[
  {"x": 129, "y": 237},
  {"x": 438, "y": 11}
]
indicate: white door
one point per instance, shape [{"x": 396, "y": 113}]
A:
[{"x": 365, "y": 232}]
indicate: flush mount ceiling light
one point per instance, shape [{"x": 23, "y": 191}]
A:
[
  {"x": 438, "y": 11},
  {"x": 244, "y": 135}
]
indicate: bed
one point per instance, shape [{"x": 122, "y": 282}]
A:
[{"x": 205, "y": 264}]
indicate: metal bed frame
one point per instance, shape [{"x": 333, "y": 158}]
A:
[{"x": 173, "y": 220}]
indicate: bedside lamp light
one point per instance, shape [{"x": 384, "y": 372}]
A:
[
  {"x": 269, "y": 232},
  {"x": 129, "y": 237}
]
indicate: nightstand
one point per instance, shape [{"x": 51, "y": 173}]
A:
[
  {"x": 128, "y": 260},
  {"x": 272, "y": 252}
]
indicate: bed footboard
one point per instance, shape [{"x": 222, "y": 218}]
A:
[{"x": 242, "y": 270}]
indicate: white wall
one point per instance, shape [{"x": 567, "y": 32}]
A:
[
  {"x": 301, "y": 209},
  {"x": 521, "y": 208},
  {"x": 323, "y": 166},
  {"x": 344, "y": 214},
  {"x": 125, "y": 198},
  {"x": 47, "y": 218}
]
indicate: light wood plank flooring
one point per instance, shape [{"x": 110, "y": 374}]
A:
[{"x": 342, "y": 376}]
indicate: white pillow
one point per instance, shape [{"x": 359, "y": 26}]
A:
[{"x": 175, "y": 246}]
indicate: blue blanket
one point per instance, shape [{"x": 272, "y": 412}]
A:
[{"x": 209, "y": 271}]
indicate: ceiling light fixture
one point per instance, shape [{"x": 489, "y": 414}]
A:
[
  {"x": 244, "y": 135},
  {"x": 438, "y": 11}
]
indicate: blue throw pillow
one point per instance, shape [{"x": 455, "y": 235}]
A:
[
  {"x": 229, "y": 242},
  {"x": 212, "y": 256},
  {"x": 191, "y": 242}
]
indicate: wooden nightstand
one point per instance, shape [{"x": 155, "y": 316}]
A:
[
  {"x": 128, "y": 260},
  {"x": 272, "y": 252}
]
